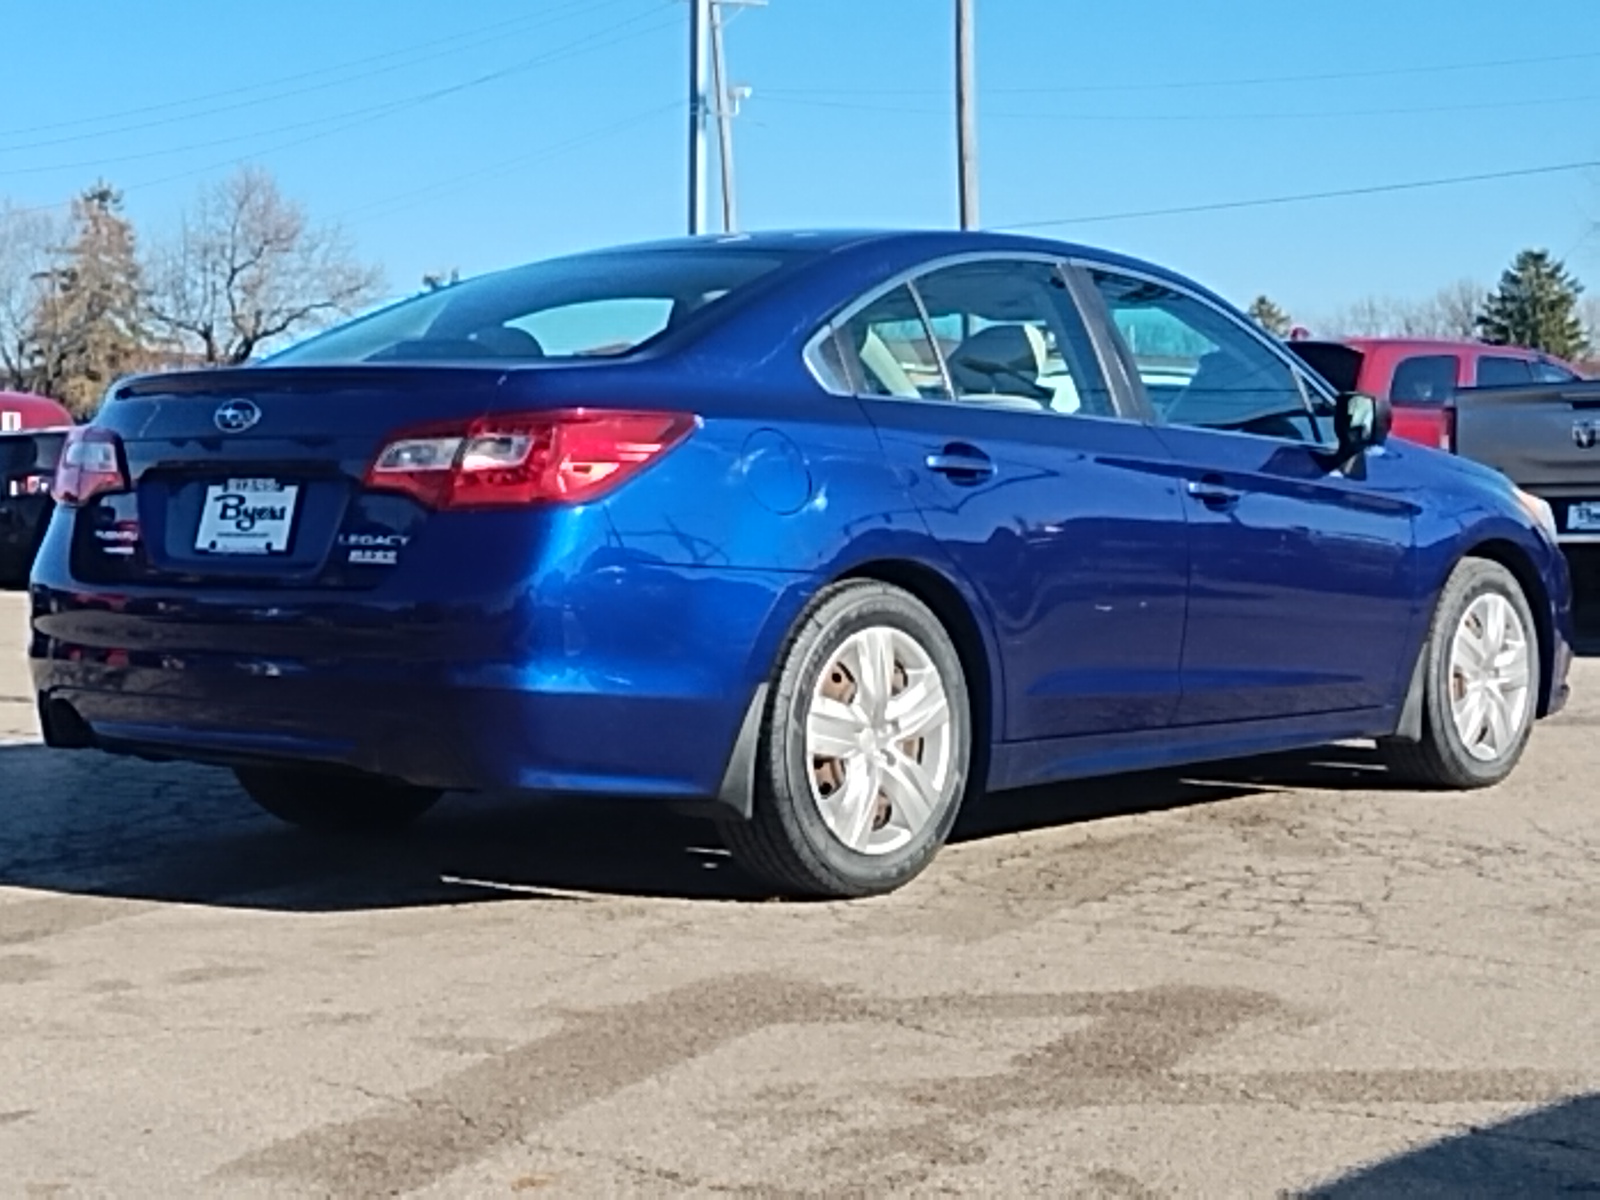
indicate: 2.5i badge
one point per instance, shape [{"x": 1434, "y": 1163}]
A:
[{"x": 373, "y": 549}]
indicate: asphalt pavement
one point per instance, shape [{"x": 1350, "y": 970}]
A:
[{"x": 1275, "y": 977}]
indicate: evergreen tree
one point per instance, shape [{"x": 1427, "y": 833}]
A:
[
  {"x": 1270, "y": 317},
  {"x": 1536, "y": 305},
  {"x": 87, "y": 329}
]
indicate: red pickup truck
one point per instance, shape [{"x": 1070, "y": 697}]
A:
[{"x": 1423, "y": 378}]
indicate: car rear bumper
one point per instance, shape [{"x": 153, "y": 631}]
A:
[
  {"x": 452, "y": 737},
  {"x": 631, "y": 686}
]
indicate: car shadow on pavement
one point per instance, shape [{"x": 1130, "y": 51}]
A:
[
  {"x": 87, "y": 824},
  {"x": 1552, "y": 1151}
]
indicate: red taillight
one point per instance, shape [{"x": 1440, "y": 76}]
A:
[
  {"x": 567, "y": 456},
  {"x": 1432, "y": 426},
  {"x": 90, "y": 465}
]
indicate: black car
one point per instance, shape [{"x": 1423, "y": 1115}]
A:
[{"x": 27, "y": 466}]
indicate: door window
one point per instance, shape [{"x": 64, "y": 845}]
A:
[
  {"x": 1501, "y": 370},
  {"x": 1201, "y": 368},
  {"x": 1546, "y": 371},
  {"x": 1010, "y": 335},
  {"x": 1424, "y": 378}
]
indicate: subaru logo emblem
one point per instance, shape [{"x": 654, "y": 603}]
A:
[
  {"x": 236, "y": 416},
  {"x": 1585, "y": 434}
]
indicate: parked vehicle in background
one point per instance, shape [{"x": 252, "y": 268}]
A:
[
  {"x": 1423, "y": 378},
  {"x": 24, "y": 410},
  {"x": 823, "y": 534},
  {"x": 32, "y": 430},
  {"x": 1529, "y": 415},
  {"x": 27, "y": 469}
]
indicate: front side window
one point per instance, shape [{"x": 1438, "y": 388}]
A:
[
  {"x": 585, "y": 306},
  {"x": 1546, "y": 371},
  {"x": 1424, "y": 378},
  {"x": 1199, "y": 367},
  {"x": 1502, "y": 370},
  {"x": 1010, "y": 335}
]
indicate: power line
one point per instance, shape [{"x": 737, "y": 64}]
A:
[
  {"x": 1190, "y": 117},
  {"x": 436, "y": 48},
  {"x": 1249, "y": 81},
  {"x": 400, "y": 201},
  {"x": 1302, "y": 197},
  {"x": 372, "y": 112}
]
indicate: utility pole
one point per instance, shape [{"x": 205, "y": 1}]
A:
[
  {"x": 719, "y": 78},
  {"x": 699, "y": 20},
  {"x": 966, "y": 117},
  {"x": 728, "y": 98}
]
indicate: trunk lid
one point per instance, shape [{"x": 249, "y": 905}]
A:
[{"x": 254, "y": 475}]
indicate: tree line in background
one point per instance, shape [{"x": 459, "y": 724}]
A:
[
  {"x": 1537, "y": 303},
  {"x": 83, "y": 303}
]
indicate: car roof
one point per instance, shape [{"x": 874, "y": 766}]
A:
[
  {"x": 908, "y": 243},
  {"x": 931, "y": 241},
  {"x": 1439, "y": 344}
]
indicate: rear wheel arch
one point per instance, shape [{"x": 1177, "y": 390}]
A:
[{"x": 955, "y": 612}]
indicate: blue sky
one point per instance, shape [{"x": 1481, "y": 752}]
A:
[{"x": 487, "y": 132}]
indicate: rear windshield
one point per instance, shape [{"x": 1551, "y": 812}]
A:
[
  {"x": 1337, "y": 363},
  {"x": 586, "y": 306},
  {"x": 30, "y": 453}
]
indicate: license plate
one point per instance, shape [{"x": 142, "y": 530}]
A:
[
  {"x": 1583, "y": 516},
  {"x": 247, "y": 516}
]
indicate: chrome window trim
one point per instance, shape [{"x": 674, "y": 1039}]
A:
[
  {"x": 933, "y": 342},
  {"x": 907, "y": 279},
  {"x": 904, "y": 279}
]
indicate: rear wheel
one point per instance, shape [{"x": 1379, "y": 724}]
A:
[
  {"x": 865, "y": 748},
  {"x": 1480, "y": 683},
  {"x": 331, "y": 803}
]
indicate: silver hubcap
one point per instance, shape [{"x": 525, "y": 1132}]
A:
[
  {"x": 880, "y": 741},
  {"x": 1489, "y": 677}
]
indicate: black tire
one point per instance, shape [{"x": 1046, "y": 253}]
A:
[
  {"x": 1441, "y": 759},
  {"x": 787, "y": 842},
  {"x": 325, "y": 802}
]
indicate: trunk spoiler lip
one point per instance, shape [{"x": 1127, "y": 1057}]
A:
[
  {"x": 231, "y": 381},
  {"x": 262, "y": 378}
]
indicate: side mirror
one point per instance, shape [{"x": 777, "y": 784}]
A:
[{"x": 1360, "y": 422}]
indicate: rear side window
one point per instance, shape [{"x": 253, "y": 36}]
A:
[
  {"x": 1501, "y": 370},
  {"x": 888, "y": 351},
  {"x": 586, "y": 306},
  {"x": 1424, "y": 378}
]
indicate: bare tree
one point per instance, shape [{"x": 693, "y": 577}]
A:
[
  {"x": 1458, "y": 306},
  {"x": 28, "y": 239},
  {"x": 1451, "y": 312},
  {"x": 248, "y": 268}
]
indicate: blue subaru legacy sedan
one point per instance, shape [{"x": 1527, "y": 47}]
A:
[{"x": 822, "y": 534}]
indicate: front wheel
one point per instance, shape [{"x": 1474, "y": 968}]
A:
[
  {"x": 865, "y": 748},
  {"x": 1480, "y": 683},
  {"x": 330, "y": 803}
]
